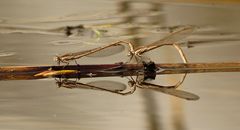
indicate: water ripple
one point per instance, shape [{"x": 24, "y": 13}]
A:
[
  {"x": 2, "y": 20},
  {"x": 6, "y": 54},
  {"x": 70, "y": 42}
]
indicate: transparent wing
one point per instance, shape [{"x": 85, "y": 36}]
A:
[
  {"x": 171, "y": 91},
  {"x": 97, "y": 52},
  {"x": 108, "y": 51},
  {"x": 108, "y": 85},
  {"x": 175, "y": 36},
  {"x": 179, "y": 93},
  {"x": 104, "y": 85}
]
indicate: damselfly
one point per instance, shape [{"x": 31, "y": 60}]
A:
[
  {"x": 136, "y": 53},
  {"x": 148, "y": 70}
]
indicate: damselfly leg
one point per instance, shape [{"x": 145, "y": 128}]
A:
[
  {"x": 169, "y": 40},
  {"x": 182, "y": 55}
]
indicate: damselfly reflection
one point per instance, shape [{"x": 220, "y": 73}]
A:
[
  {"x": 119, "y": 88},
  {"x": 109, "y": 86}
]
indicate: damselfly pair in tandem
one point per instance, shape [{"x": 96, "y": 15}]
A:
[{"x": 139, "y": 69}]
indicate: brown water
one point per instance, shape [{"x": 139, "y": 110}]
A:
[{"x": 30, "y": 35}]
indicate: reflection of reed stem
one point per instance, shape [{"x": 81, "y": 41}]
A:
[
  {"x": 178, "y": 115},
  {"x": 199, "y": 67}
]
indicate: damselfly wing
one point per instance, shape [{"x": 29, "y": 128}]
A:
[
  {"x": 178, "y": 93},
  {"x": 109, "y": 85},
  {"x": 108, "y": 51},
  {"x": 170, "y": 91},
  {"x": 174, "y": 37},
  {"x": 103, "y": 85}
]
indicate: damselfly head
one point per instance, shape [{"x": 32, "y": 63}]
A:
[
  {"x": 57, "y": 59},
  {"x": 130, "y": 54}
]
